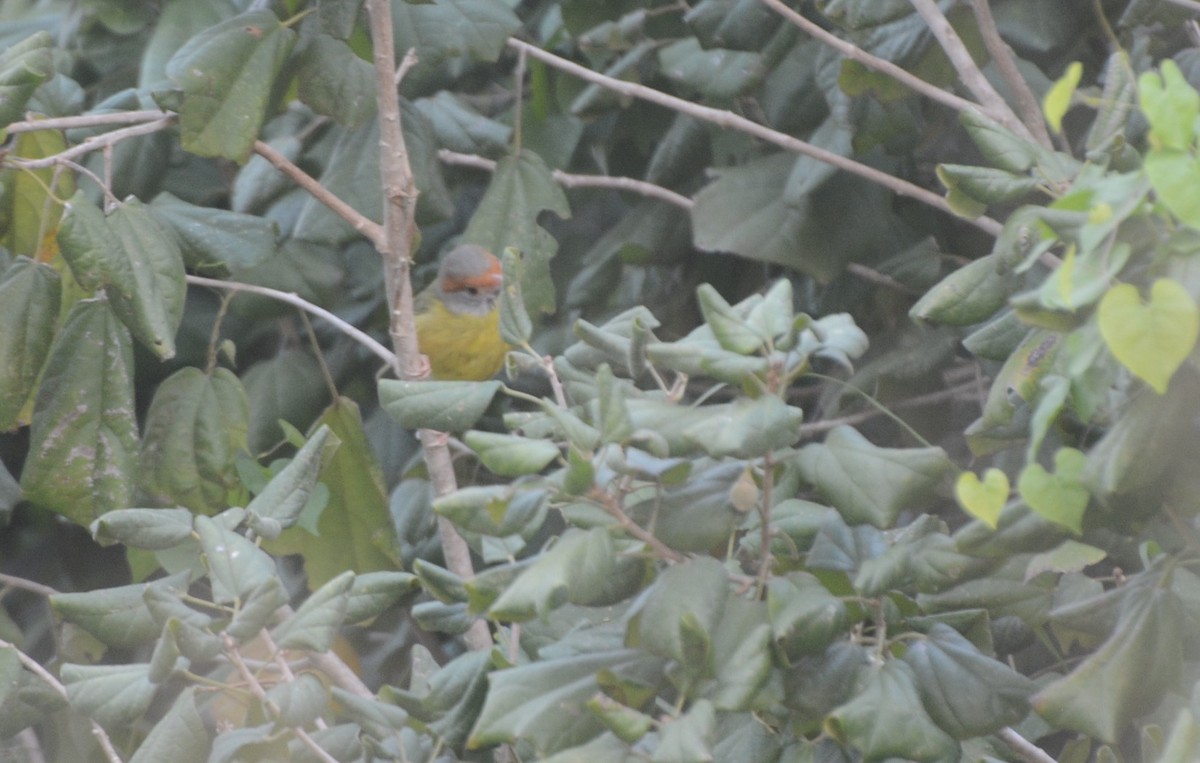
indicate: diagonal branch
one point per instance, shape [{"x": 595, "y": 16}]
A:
[
  {"x": 729, "y": 120},
  {"x": 1006, "y": 63},
  {"x": 97, "y": 142},
  {"x": 968, "y": 72}
]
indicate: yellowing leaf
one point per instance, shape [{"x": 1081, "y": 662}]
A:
[
  {"x": 1150, "y": 339},
  {"x": 982, "y": 499},
  {"x": 1058, "y": 98},
  {"x": 1059, "y": 497}
]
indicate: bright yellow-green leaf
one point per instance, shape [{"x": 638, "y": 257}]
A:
[
  {"x": 1150, "y": 339},
  {"x": 1171, "y": 105},
  {"x": 982, "y": 499},
  {"x": 1058, "y": 98},
  {"x": 1059, "y": 497}
]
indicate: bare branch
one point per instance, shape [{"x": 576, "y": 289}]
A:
[
  {"x": 1006, "y": 63},
  {"x": 13, "y": 581},
  {"x": 360, "y": 222},
  {"x": 874, "y": 276},
  {"x": 33, "y": 666},
  {"x": 569, "y": 180},
  {"x": 968, "y": 72},
  {"x": 88, "y": 120},
  {"x": 852, "y": 51},
  {"x": 733, "y": 121},
  {"x": 396, "y": 247},
  {"x": 95, "y": 143},
  {"x": 291, "y": 298},
  {"x": 1028, "y": 751}
]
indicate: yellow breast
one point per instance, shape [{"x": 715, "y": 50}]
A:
[{"x": 460, "y": 347}]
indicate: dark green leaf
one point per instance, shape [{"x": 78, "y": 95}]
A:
[
  {"x": 335, "y": 82},
  {"x": 680, "y": 613},
  {"x": 374, "y": 592},
  {"x": 689, "y": 737},
  {"x": 23, "y": 67},
  {"x": 509, "y": 455},
  {"x": 444, "y": 406},
  {"x": 83, "y": 442},
  {"x": 969, "y": 295},
  {"x": 805, "y": 616},
  {"x": 29, "y": 293},
  {"x": 715, "y": 73},
  {"x": 226, "y": 74},
  {"x": 151, "y": 529},
  {"x": 316, "y": 622},
  {"x": 235, "y": 565},
  {"x": 211, "y": 237},
  {"x": 746, "y": 428},
  {"x": 179, "y": 736},
  {"x": 115, "y": 695}
]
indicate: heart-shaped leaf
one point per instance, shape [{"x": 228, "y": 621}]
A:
[
  {"x": 1153, "y": 339},
  {"x": 1059, "y": 497},
  {"x": 982, "y": 499}
]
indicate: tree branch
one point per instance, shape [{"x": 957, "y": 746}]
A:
[
  {"x": 729, "y": 120},
  {"x": 291, "y": 298},
  {"x": 1028, "y": 751},
  {"x": 34, "y": 667},
  {"x": 1006, "y": 63},
  {"x": 852, "y": 51},
  {"x": 95, "y": 143},
  {"x": 88, "y": 120},
  {"x": 399, "y": 233},
  {"x": 569, "y": 180},
  {"x": 360, "y": 222},
  {"x": 968, "y": 72}
]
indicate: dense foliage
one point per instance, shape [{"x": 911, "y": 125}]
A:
[{"x": 850, "y": 415}]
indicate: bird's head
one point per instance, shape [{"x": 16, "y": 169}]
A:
[{"x": 469, "y": 280}]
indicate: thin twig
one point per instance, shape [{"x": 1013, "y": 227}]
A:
[
  {"x": 26, "y": 585},
  {"x": 291, "y": 298},
  {"x": 88, "y": 120},
  {"x": 231, "y": 651},
  {"x": 968, "y": 72},
  {"x": 1028, "y": 751},
  {"x": 609, "y": 504},
  {"x": 357, "y": 220},
  {"x": 1027, "y": 103},
  {"x": 94, "y": 143},
  {"x": 852, "y": 51},
  {"x": 569, "y": 180},
  {"x": 874, "y": 276},
  {"x": 825, "y": 425},
  {"x": 34, "y": 667},
  {"x": 729, "y": 120}
]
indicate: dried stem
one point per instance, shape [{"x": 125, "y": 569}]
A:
[
  {"x": 94, "y": 143},
  {"x": 231, "y": 651},
  {"x": 34, "y": 667},
  {"x": 360, "y": 222},
  {"x": 729, "y": 120},
  {"x": 968, "y": 71},
  {"x": 1028, "y": 751},
  {"x": 291, "y": 298},
  {"x": 399, "y": 234},
  {"x": 1006, "y": 63},
  {"x": 88, "y": 120}
]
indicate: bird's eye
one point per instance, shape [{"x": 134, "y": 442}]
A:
[{"x": 474, "y": 292}]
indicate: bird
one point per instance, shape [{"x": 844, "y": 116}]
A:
[{"x": 458, "y": 316}]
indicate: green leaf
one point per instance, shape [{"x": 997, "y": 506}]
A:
[
  {"x": 1059, "y": 497},
  {"x": 741, "y": 655},
  {"x": 335, "y": 82},
  {"x": 746, "y": 428},
  {"x": 32, "y": 203},
  {"x": 288, "y": 388},
  {"x": 868, "y": 483},
  {"x": 1126, "y": 677},
  {"x": 478, "y": 28},
  {"x": 300, "y": 701},
  {"x": 680, "y": 613},
  {"x": 999, "y": 146},
  {"x": 1171, "y": 105},
  {"x": 23, "y": 67},
  {"x": 805, "y": 616},
  {"x": 117, "y": 616},
  {"x": 226, "y": 74},
  {"x": 210, "y": 237},
  {"x": 179, "y": 736},
  {"x": 966, "y": 693},
  {"x": 1068, "y": 556},
  {"x": 543, "y": 703},
  {"x": 1057, "y": 100},
  {"x": 714, "y": 73},
  {"x": 985, "y": 185},
  {"x": 29, "y": 293},
  {"x": 177, "y": 21},
  {"x": 444, "y": 406},
  {"x": 885, "y": 719},
  {"x": 1116, "y": 101},
  {"x": 461, "y": 128},
  {"x": 509, "y": 455},
  {"x": 1150, "y": 339},
  {"x": 235, "y": 565},
  {"x": 515, "y": 326},
  {"x": 286, "y": 495},
  {"x": 318, "y": 619},
  {"x": 195, "y": 429},
  {"x": 151, "y": 529},
  {"x": 730, "y": 329},
  {"x": 114, "y": 695},
  {"x": 83, "y": 441},
  {"x": 1174, "y": 174},
  {"x": 374, "y": 592},
  {"x": 983, "y": 500},
  {"x": 354, "y": 530},
  {"x": 520, "y": 189},
  {"x": 689, "y": 737},
  {"x": 969, "y": 295}
]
